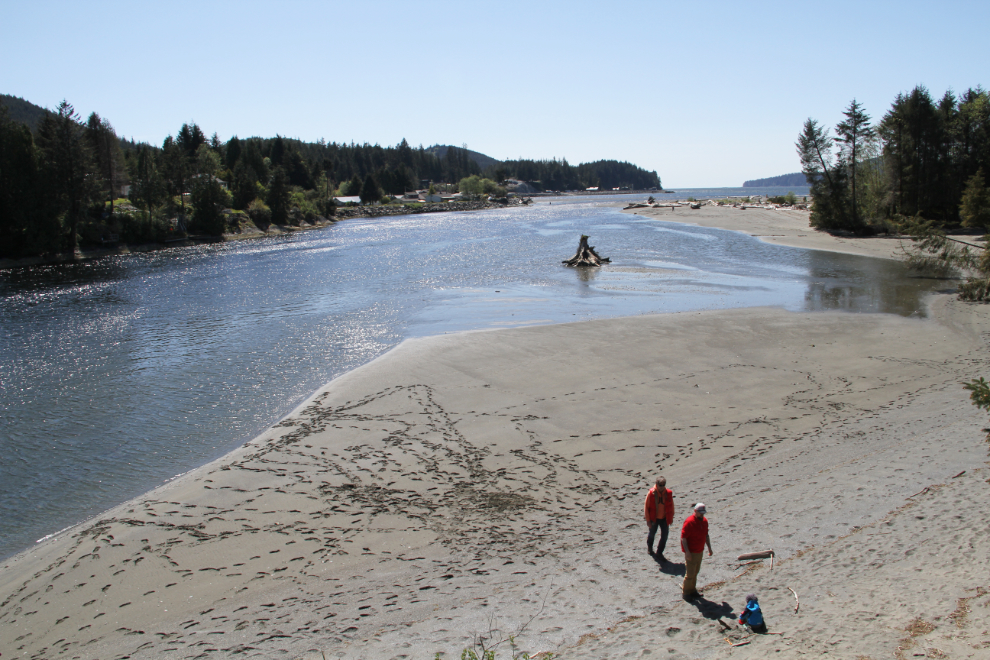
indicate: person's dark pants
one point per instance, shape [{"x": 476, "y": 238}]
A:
[{"x": 664, "y": 530}]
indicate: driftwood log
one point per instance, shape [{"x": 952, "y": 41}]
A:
[
  {"x": 585, "y": 255},
  {"x": 756, "y": 555}
]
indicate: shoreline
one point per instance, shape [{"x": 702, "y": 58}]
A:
[
  {"x": 779, "y": 227},
  {"x": 345, "y": 213},
  {"x": 493, "y": 493}
]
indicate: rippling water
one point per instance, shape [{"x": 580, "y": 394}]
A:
[{"x": 117, "y": 374}]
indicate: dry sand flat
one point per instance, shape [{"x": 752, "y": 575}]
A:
[
  {"x": 494, "y": 480},
  {"x": 781, "y": 227}
]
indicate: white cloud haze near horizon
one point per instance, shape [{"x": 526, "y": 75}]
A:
[{"x": 705, "y": 93}]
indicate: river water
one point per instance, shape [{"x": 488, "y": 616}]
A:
[{"x": 118, "y": 374}]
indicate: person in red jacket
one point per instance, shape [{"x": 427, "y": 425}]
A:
[
  {"x": 694, "y": 538},
  {"x": 659, "y": 512}
]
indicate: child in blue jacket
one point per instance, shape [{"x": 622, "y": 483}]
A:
[{"x": 752, "y": 615}]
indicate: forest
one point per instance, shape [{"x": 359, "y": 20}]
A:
[
  {"x": 924, "y": 164},
  {"x": 63, "y": 180}
]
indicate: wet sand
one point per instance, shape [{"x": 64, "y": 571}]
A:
[{"x": 489, "y": 484}]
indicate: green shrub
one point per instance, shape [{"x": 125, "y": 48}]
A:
[
  {"x": 477, "y": 186},
  {"x": 260, "y": 214}
]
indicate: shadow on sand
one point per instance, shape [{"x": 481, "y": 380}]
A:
[
  {"x": 712, "y": 610},
  {"x": 670, "y": 568}
]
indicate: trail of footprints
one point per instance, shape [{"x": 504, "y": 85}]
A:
[{"x": 316, "y": 490}]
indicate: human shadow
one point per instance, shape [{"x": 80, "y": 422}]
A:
[
  {"x": 670, "y": 568},
  {"x": 712, "y": 610}
]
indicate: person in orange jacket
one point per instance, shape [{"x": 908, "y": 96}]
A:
[{"x": 659, "y": 511}]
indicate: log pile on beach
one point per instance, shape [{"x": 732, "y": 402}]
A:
[{"x": 489, "y": 484}]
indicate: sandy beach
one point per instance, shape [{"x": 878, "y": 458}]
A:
[
  {"x": 780, "y": 227},
  {"x": 490, "y": 484}
]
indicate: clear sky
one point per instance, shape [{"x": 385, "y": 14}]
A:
[{"x": 705, "y": 93}]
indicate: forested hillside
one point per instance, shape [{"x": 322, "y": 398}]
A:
[
  {"x": 22, "y": 111},
  {"x": 795, "y": 179},
  {"x": 60, "y": 177}
]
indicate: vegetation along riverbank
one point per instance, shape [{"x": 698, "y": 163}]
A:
[{"x": 68, "y": 184}]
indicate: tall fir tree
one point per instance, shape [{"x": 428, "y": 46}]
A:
[
  {"x": 370, "y": 190},
  {"x": 278, "y": 197},
  {"x": 853, "y": 134},
  {"x": 68, "y": 161}
]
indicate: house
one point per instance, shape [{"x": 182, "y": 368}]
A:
[{"x": 196, "y": 177}]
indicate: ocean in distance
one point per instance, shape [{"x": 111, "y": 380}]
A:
[
  {"x": 680, "y": 194},
  {"x": 120, "y": 373}
]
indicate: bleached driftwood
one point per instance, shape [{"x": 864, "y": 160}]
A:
[
  {"x": 796, "y": 600},
  {"x": 764, "y": 554}
]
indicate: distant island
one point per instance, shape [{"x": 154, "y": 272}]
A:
[
  {"x": 795, "y": 179},
  {"x": 67, "y": 183}
]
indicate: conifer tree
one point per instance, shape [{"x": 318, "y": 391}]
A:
[
  {"x": 278, "y": 196},
  {"x": 370, "y": 190},
  {"x": 827, "y": 181},
  {"x": 147, "y": 187},
  {"x": 68, "y": 160},
  {"x": 975, "y": 206},
  {"x": 854, "y": 133}
]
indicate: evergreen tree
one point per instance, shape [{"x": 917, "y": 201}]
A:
[
  {"x": 207, "y": 161},
  {"x": 106, "y": 148},
  {"x": 814, "y": 147},
  {"x": 297, "y": 171},
  {"x": 278, "y": 197},
  {"x": 208, "y": 199},
  {"x": 913, "y": 132},
  {"x": 370, "y": 190},
  {"x": 189, "y": 139},
  {"x": 277, "y": 154},
  {"x": 232, "y": 153},
  {"x": 352, "y": 187},
  {"x": 244, "y": 186},
  {"x": 68, "y": 161},
  {"x": 147, "y": 188},
  {"x": 975, "y": 206},
  {"x": 175, "y": 172},
  {"x": 253, "y": 159},
  {"x": 854, "y": 133},
  {"x": 27, "y": 225}
]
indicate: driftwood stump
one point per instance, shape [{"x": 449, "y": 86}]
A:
[{"x": 585, "y": 255}]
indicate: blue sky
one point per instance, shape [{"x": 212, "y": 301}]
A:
[{"x": 705, "y": 93}]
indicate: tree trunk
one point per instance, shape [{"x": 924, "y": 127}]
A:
[{"x": 585, "y": 255}]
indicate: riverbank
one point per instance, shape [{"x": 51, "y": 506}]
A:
[
  {"x": 779, "y": 227},
  {"x": 249, "y": 231},
  {"x": 491, "y": 483}
]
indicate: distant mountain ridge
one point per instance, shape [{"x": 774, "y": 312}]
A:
[
  {"x": 483, "y": 161},
  {"x": 402, "y": 167},
  {"x": 795, "y": 179},
  {"x": 23, "y": 111}
]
